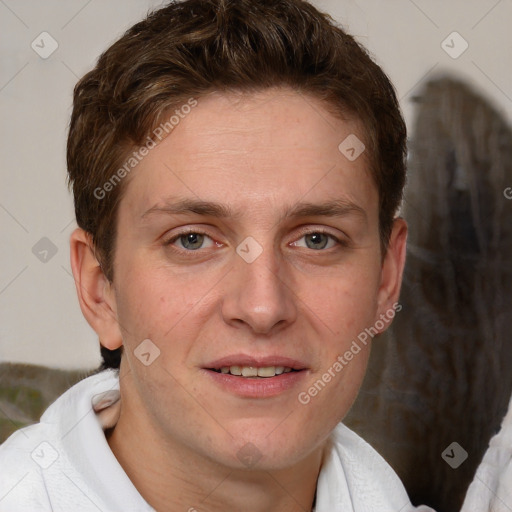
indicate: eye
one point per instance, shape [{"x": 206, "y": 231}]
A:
[
  {"x": 317, "y": 240},
  {"x": 191, "y": 241}
]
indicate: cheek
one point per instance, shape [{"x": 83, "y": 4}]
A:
[
  {"x": 330, "y": 393},
  {"x": 152, "y": 303},
  {"x": 344, "y": 302}
]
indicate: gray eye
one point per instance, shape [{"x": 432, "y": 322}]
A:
[
  {"x": 317, "y": 240},
  {"x": 191, "y": 241}
]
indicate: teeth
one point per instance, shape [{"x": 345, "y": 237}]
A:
[
  {"x": 268, "y": 371},
  {"x": 253, "y": 371},
  {"x": 235, "y": 370},
  {"x": 249, "y": 371}
]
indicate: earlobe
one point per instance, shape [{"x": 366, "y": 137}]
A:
[
  {"x": 95, "y": 292},
  {"x": 393, "y": 267}
]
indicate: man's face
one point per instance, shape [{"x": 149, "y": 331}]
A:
[{"x": 247, "y": 239}]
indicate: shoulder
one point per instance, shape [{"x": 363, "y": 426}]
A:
[
  {"x": 22, "y": 458},
  {"x": 355, "y": 473},
  {"x": 491, "y": 488},
  {"x": 36, "y": 460}
]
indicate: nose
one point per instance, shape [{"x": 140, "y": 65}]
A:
[{"x": 259, "y": 295}]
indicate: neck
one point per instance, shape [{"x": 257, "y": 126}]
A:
[{"x": 172, "y": 477}]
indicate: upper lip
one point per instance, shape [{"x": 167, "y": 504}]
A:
[{"x": 257, "y": 361}]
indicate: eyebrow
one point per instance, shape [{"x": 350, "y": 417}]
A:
[
  {"x": 334, "y": 208},
  {"x": 172, "y": 206}
]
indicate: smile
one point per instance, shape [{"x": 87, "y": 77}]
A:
[
  {"x": 256, "y": 376},
  {"x": 254, "y": 371}
]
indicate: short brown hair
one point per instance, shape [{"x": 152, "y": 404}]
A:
[{"x": 191, "y": 48}]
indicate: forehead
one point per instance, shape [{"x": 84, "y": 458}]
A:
[{"x": 255, "y": 149}]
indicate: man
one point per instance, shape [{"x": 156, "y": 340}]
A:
[{"x": 236, "y": 168}]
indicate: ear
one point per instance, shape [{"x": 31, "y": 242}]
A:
[
  {"x": 392, "y": 269},
  {"x": 95, "y": 292}
]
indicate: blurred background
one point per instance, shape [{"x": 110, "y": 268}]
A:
[{"x": 442, "y": 374}]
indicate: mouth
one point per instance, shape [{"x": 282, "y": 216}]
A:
[
  {"x": 256, "y": 377},
  {"x": 254, "y": 372}
]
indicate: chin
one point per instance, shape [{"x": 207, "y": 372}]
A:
[{"x": 266, "y": 445}]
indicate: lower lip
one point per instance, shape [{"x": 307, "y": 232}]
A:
[{"x": 263, "y": 387}]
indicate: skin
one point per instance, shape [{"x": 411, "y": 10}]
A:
[{"x": 179, "y": 433}]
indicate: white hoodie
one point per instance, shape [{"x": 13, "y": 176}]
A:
[
  {"x": 491, "y": 489},
  {"x": 64, "y": 464}
]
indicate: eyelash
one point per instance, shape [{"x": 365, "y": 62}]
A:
[
  {"x": 304, "y": 232},
  {"x": 173, "y": 239},
  {"x": 322, "y": 231}
]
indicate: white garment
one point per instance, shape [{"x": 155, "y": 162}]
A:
[
  {"x": 65, "y": 464},
  {"x": 491, "y": 489}
]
